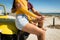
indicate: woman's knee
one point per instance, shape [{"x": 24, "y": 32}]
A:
[{"x": 41, "y": 33}]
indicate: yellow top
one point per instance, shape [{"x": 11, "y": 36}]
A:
[{"x": 24, "y": 9}]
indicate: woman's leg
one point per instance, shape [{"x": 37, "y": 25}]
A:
[
  {"x": 30, "y": 28},
  {"x": 23, "y": 24}
]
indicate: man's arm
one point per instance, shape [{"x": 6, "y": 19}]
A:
[
  {"x": 30, "y": 7},
  {"x": 36, "y": 12}
]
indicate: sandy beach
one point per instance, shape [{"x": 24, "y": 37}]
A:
[{"x": 53, "y": 32}]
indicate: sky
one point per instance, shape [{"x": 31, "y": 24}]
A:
[{"x": 44, "y": 6}]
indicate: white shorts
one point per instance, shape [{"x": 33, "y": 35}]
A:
[{"x": 21, "y": 21}]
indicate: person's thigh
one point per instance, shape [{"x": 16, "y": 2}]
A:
[
  {"x": 30, "y": 28},
  {"x": 23, "y": 24}
]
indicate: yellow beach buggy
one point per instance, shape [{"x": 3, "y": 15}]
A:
[{"x": 8, "y": 30}]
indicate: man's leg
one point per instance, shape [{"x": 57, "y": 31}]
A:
[{"x": 40, "y": 24}]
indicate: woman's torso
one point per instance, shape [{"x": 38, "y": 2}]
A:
[{"x": 23, "y": 4}]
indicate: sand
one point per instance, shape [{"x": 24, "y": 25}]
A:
[{"x": 53, "y": 32}]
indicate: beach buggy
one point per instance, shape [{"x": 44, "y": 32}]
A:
[{"x": 8, "y": 30}]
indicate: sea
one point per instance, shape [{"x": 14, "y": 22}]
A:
[{"x": 51, "y": 14}]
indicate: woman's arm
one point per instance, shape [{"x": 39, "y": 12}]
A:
[{"x": 28, "y": 12}]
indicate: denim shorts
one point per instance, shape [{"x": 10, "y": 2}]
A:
[{"x": 21, "y": 21}]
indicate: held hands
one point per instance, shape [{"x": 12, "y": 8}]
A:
[{"x": 40, "y": 18}]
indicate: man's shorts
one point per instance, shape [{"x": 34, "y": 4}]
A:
[{"x": 21, "y": 21}]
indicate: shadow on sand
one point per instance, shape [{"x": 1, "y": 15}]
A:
[{"x": 56, "y": 26}]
